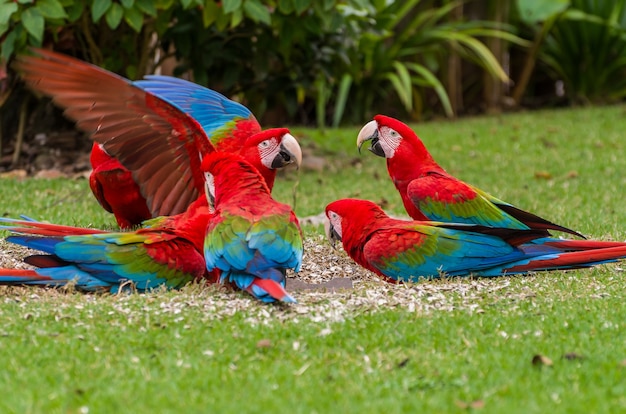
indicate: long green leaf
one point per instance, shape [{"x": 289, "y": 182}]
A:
[
  {"x": 320, "y": 103},
  {"x": 432, "y": 80},
  {"x": 484, "y": 56},
  {"x": 498, "y": 34},
  {"x": 405, "y": 79},
  {"x": 400, "y": 90},
  {"x": 342, "y": 98}
]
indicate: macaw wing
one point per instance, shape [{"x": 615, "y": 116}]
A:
[
  {"x": 235, "y": 243},
  {"x": 147, "y": 260},
  {"x": 227, "y": 123},
  {"x": 225, "y": 245},
  {"x": 277, "y": 240},
  {"x": 406, "y": 253},
  {"x": 160, "y": 144},
  {"x": 443, "y": 198}
]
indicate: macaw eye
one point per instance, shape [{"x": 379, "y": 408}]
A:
[
  {"x": 393, "y": 133},
  {"x": 264, "y": 144}
]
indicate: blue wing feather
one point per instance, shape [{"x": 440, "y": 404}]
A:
[{"x": 211, "y": 109}]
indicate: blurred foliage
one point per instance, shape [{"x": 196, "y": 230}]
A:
[
  {"x": 120, "y": 36},
  {"x": 583, "y": 43},
  {"x": 298, "y": 60},
  {"x": 331, "y": 61},
  {"x": 347, "y": 59}
]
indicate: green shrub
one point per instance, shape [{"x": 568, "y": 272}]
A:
[
  {"x": 583, "y": 43},
  {"x": 300, "y": 60}
]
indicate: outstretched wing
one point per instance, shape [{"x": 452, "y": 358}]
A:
[
  {"x": 227, "y": 123},
  {"x": 161, "y": 144}
]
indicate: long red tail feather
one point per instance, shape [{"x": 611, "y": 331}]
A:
[
  {"x": 584, "y": 244},
  {"x": 584, "y": 258},
  {"x": 26, "y": 274},
  {"x": 47, "y": 229}
]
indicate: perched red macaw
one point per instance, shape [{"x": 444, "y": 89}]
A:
[
  {"x": 148, "y": 133},
  {"x": 430, "y": 193},
  {"x": 252, "y": 239},
  {"x": 405, "y": 251}
]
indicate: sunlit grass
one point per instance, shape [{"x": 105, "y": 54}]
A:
[{"x": 462, "y": 349}]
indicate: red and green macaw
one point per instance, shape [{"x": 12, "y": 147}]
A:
[
  {"x": 430, "y": 193},
  {"x": 244, "y": 239},
  {"x": 252, "y": 239},
  {"x": 405, "y": 251},
  {"x": 150, "y": 135},
  {"x": 167, "y": 252}
]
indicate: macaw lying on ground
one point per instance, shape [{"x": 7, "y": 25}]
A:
[
  {"x": 168, "y": 253},
  {"x": 148, "y": 133},
  {"x": 245, "y": 239},
  {"x": 405, "y": 251},
  {"x": 429, "y": 193}
]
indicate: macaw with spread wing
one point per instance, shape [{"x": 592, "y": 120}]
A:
[
  {"x": 429, "y": 193},
  {"x": 244, "y": 239},
  {"x": 168, "y": 249},
  {"x": 252, "y": 239},
  {"x": 150, "y": 135},
  {"x": 405, "y": 251}
]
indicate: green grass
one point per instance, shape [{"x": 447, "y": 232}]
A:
[{"x": 453, "y": 346}]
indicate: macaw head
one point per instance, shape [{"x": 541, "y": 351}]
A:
[
  {"x": 349, "y": 219},
  {"x": 270, "y": 150},
  {"x": 386, "y": 136},
  {"x": 276, "y": 148},
  {"x": 332, "y": 227},
  {"x": 227, "y": 174}
]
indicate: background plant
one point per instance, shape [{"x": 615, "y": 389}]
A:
[{"x": 580, "y": 43}]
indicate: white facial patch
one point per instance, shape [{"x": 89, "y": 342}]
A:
[
  {"x": 335, "y": 221},
  {"x": 268, "y": 150},
  {"x": 389, "y": 140},
  {"x": 209, "y": 188}
]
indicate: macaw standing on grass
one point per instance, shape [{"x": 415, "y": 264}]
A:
[
  {"x": 252, "y": 239},
  {"x": 405, "y": 251},
  {"x": 148, "y": 133},
  {"x": 429, "y": 193}
]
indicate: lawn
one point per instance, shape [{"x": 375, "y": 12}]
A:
[{"x": 547, "y": 342}]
